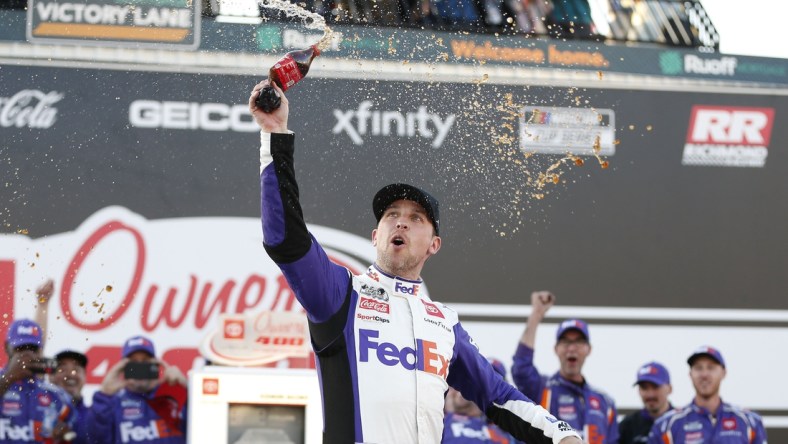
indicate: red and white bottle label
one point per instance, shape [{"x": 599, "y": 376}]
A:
[{"x": 288, "y": 72}]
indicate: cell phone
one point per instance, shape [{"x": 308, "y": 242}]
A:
[
  {"x": 141, "y": 370},
  {"x": 43, "y": 365}
]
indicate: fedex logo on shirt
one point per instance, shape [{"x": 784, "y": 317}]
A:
[
  {"x": 26, "y": 432},
  {"x": 425, "y": 357},
  {"x": 145, "y": 433},
  {"x": 409, "y": 289}
]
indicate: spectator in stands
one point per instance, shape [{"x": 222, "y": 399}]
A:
[
  {"x": 140, "y": 402},
  {"x": 566, "y": 394},
  {"x": 27, "y": 398},
  {"x": 653, "y": 381},
  {"x": 465, "y": 423},
  {"x": 708, "y": 419},
  {"x": 570, "y": 19},
  {"x": 70, "y": 375}
]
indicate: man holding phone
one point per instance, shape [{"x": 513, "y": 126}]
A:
[
  {"x": 142, "y": 399},
  {"x": 27, "y": 398}
]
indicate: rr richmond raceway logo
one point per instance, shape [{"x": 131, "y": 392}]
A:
[
  {"x": 728, "y": 136},
  {"x": 357, "y": 123}
]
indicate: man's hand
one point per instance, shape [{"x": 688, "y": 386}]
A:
[
  {"x": 273, "y": 122},
  {"x": 45, "y": 291},
  {"x": 114, "y": 380},
  {"x": 541, "y": 301},
  {"x": 172, "y": 375},
  {"x": 18, "y": 368}
]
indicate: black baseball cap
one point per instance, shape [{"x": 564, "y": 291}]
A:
[
  {"x": 81, "y": 359},
  {"x": 396, "y": 191}
]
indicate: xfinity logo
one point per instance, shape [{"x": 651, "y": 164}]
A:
[{"x": 357, "y": 123}]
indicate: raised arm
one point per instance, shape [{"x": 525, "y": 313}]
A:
[
  {"x": 319, "y": 285},
  {"x": 524, "y": 373},
  {"x": 474, "y": 377},
  {"x": 43, "y": 294}
]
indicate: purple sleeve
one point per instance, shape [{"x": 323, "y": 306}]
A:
[
  {"x": 757, "y": 426},
  {"x": 475, "y": 378},
  {"x": 525, "y": 375},
  {"x": 101, "y": 418},
  {"x": 319, "y": 285}
]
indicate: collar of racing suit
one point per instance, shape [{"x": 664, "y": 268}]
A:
[{"x": 399, "y": 286}]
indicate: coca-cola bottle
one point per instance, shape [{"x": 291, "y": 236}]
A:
[{"x": 288, "y": 71}]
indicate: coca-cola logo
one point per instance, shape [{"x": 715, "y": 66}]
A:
[
  {"x": 371, "y": 304},
  {"x": 31, "y": 108}
]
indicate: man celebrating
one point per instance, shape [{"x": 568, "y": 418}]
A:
[
  {"x": 386, "y": 352},
  {"x": 653, "y": 381},
  {"x": 707, "y": 419},
  {"x": 565, "y": 394},
  {"x": 33, "y": 410},
  {"x": 70, "y": 375},
  {"x": 138, "y": 402}
]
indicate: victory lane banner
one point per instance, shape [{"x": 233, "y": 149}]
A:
[{"x": 159, "y": 23}]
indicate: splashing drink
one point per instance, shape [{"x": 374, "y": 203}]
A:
[{"x": 288, "y": 71}]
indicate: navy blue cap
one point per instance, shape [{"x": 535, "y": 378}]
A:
[
  {"x": 23, "y": 332},
  {"x": 709, "y": 352},
  {"x": 653, "y": 372},
  {"x": 573, "y": 324},
  {"x": 138, "y": 343},
  {"x": 396, "y": 191}
]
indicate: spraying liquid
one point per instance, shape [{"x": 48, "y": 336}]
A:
[{"x": 294, "y": 66}]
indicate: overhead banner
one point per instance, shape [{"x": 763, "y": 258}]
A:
[
  {"x": 155, "y": 23},
  {"x": 669, "y": 223}
]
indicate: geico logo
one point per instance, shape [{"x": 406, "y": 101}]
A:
[
  {"x": 412, "y": 290},
  {"x": 425, "y": 357},
  {"x": 372, "y": 318},
  {"x": 191, "y": 115},
  {"x": 732, "y": 126},
  {"x": 20, "y": 432},
  {"x": 385, "y": 123}
]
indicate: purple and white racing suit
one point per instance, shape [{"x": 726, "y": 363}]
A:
[
  {"x": 30, "y": 410},
  {"x": 695, "y": 425},
  {"x": 386, "y": 353}
]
